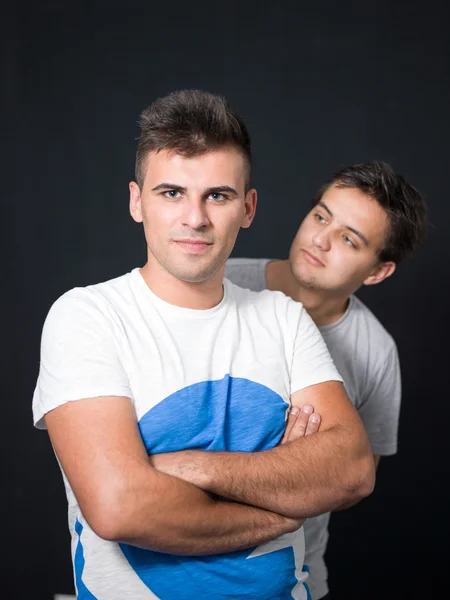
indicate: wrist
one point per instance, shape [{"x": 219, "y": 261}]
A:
[{"x": 194, "y": 467}]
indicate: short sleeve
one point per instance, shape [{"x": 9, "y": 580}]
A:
[
  {"x": 312, "y": 362},
  {"x": 80, "y": 354},
  {"x": 380, "y": 410}
]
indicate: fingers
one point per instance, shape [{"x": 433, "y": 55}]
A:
[
  {"x": 292, "y": 417},
  {"x": 313, "y": 424},
  {"x": 301, "y": 422},
  {"x": 307, "y": 422}
]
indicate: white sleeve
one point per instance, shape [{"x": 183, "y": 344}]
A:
[
  {"x": 312, "y": 362},
  {"x": 80, "y": 354},
  {"x": 380, "y": 410}
]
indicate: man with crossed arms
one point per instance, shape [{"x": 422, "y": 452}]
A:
[{"x": 173, "y": 358}]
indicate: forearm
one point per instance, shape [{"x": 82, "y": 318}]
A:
[
  {"x": 123, "y": 498},
  {"x": 182, "y": 519},
  {"x": 304, "y": 478}
]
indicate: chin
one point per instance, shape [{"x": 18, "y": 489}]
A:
[
  {"x": 301, "y": 275},
  {"x": 195, "y": 276},
  {"x": 306, "y": 280}
]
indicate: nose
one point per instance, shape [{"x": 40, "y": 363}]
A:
[
  {"x": 321, "y": 239},
  {"x": 195, "y": 213}
]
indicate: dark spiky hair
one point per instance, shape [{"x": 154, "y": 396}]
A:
[{"x": 191, "y": 123}]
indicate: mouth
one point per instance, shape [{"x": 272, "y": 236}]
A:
[
  {"x": 312, "y": 259},
  {"x": 193, "y": 246}
]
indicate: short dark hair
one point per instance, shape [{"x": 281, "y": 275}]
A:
[
  {"x": 404, "y": 205},
  {"x": 190, "y": 122}
]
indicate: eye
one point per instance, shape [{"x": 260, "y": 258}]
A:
[
  {"x": 348, "y": 241},
  {"x": 319, "y": 218},
  {"x": 172, "y": 194},
  {"x": 217, "y": 196}
]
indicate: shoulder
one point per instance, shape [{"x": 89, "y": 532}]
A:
[
  {"x": 89, "y": 303},
  {"x": 247, "y": 272},
  {"x": 373, "y": 327},
  {"x": 370, "y": 340}
]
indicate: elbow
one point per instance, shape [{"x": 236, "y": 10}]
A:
[
  {"x": 361, "y": 482},
  {"x": 107, "y": 526},
  {"x": 360, "y": 467},
  {"x": 108, "y": 515}
]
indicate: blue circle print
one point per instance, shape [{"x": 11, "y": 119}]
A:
[{"x": 229, "y": 414}]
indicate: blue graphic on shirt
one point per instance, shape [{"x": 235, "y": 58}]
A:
[
  {"x": 83, "y": 592},
  {"x": 305, "y": 569},
  {"x": 231, "y": 414}
]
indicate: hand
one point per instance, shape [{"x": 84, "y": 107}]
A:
[{"x": 300, "y": 422}]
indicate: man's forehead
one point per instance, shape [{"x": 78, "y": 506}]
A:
[
  {"x": 351, "y": 203},
  {"x": 216, "y": 167},
  {"x": 221, "y": 155}
]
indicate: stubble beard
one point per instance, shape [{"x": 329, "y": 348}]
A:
[
  {"x": 189, "y": 272},
  {"x": 309, "y": 281}
]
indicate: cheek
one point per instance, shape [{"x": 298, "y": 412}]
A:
[
  {"x": 338, "y": 260},
  {"x": 306, "y": 232},
  {"x": 227, "y": 226},
  {"x": 299, "y": 242},
  {"x": 158, "y": 218},
  {"x": 345, "y": 265}
]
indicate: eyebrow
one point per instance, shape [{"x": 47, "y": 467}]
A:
[
  {"x": 212, "y": 190},
  {"x": 168, "y": 186},
  {"x": 221, "y": 188},
  {"x": 355, "y": 231}
]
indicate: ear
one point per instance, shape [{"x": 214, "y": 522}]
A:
[
  {"x": 251, "y": 198},
  {"x": 381, "y": 272},
  {"x": 135, "y": 202}
]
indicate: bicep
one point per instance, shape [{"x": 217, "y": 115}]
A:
[
  {"x": 98, "y": 444},
  {"x": 331, "y": 401}
]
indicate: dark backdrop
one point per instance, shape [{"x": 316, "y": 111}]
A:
[{"x": 320, "y": 85}]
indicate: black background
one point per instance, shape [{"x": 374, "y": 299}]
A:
[{"x": 320, "y": 85}]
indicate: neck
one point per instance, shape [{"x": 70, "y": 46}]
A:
[
  {"x": 323, "y": 307},
  {"x": 201, "y": 295}
]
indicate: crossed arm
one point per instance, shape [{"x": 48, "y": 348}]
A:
[
  {"x": 123, "y": 498},
  {"x": 303, "y": 478}
]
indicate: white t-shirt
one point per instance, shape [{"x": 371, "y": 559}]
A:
[{"x": 217, "y": 379}]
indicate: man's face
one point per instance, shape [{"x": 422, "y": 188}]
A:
[
  {"x": 337, "y": 246},
  {"x": 192, "y": 210}
]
